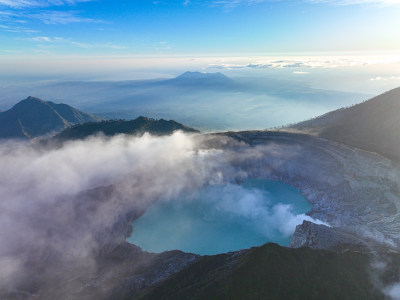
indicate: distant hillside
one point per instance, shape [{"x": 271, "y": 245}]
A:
[
  {"x": 270, "y": 272},
  {"x": 34, "y": 117},
  {"x": 200, "y": 80},
  {"x": 113, "y": 127},
  {"x": 373, "y": 125}
]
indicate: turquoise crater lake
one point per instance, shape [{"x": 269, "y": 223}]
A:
[{"x": 222, "y": 218}]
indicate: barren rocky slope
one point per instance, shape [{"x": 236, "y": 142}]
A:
[{"x": 271, "y": 272}]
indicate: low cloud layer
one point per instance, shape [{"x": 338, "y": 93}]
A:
[
  {"x": 59, "y": 202},
  {"x": 62, "y": 206},
  {"x": 308, "y": 63}
]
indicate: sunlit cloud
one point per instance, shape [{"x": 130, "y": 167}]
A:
[
  {"x": 379, "y": 78},
  {"x": 307, "y": 63}
]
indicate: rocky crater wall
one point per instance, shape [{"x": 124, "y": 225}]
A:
[{"x": 353, "y": 190}]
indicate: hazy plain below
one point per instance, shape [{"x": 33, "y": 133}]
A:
[{"x": 218, "y": 94}]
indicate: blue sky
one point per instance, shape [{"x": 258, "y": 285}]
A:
[{"x": 191, "y": 27}]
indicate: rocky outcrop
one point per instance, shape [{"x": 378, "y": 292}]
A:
[{"x": 317, "y": 236}]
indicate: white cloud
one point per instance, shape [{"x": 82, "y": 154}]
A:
[
  {"x": 47, "y": 39},
  {"x": 38, "y": 3},
  {"x": 304, "y": 62},
  {"x": 20, "y": 10},
  {"x": 89, "y": 46},
  {"x": 16, "y": 29},
  {"x": 62, "y": 17},
  {"x": 230, "y": 4},
  {"x": 18, "y": 3},
  {"x": 8, "y": 14},
  {"x": 379, "y": 78}
]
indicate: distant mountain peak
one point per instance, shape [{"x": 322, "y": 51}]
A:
[
  {"x": 199, "y": 80},
  {"x": 31, "y": 99},
  {"x": 198, "y": 75}
]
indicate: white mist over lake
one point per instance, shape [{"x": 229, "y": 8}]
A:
[{"x": 222, "y": 218}]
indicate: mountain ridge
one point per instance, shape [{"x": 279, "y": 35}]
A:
[
  {"x": 33, "y": 117},
  {"x": 114, "y": 127},
  {"x": 270, "y": 272},
  {"x": 373, "y": 125},
  {"x": 202, "y": 80}
]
